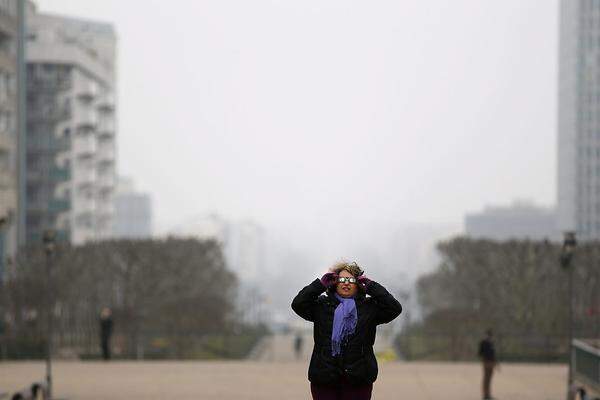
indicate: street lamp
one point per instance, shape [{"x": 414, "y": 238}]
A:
[
  {"x": 4, "y": 223},
  {"x": 49, "y": 240},
  {"x": 566, "y": 256}
]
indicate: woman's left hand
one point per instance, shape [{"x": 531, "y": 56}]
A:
[{"x": 363, "y": 282}]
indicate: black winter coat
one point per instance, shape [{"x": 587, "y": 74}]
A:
[{"x": 357, "y": 361}]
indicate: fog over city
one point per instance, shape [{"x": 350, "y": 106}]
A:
[{"x": 347, "y": 129}]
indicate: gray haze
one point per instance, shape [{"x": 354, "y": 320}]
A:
[{"x": 334, "y": 123}]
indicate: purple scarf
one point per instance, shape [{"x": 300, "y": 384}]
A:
[{"x": 344, "y": 323}]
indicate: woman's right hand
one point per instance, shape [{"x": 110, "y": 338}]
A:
[{"x": 329, "y": 279}]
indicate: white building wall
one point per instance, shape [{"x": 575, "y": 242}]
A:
[
  {"x": 89, "y": 48},
  {"x": 9, "y": 208},
  {"x": 579, "y": 119},
  {"x": 245, "y": 250},
  {"x": 133, "y": 212},
  {"x": 567, "y": 115}
]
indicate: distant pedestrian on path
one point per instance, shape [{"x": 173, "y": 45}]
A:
[
  {"x": 487, "y": 354},
  {"x": 343, "y": 365},
  {"x": 298, "y": 345},
  {"x": 106, "y": 328}
]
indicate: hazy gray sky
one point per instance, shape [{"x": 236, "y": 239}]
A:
[{"x": 315, "y": 111}]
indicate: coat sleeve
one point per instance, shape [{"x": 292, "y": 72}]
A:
[
  {"x": 305, "y": 302},
  {"x": 388, "y": 307}
]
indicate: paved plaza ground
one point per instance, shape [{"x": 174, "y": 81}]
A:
[{"x": 264, "y": 380}]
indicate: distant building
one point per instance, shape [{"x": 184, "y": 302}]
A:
[
  {"x": 522, "y": 220},
  {"x": 71, "y": 129},
  {"x": 133, "y": 212},
  {"x": 243, "y": 242},
  {"x": 210, "y": 226},
  {"x": 579, "y": 119},
  {"x": 244, "y": 250},
  {"x": 9, "y": 151}
]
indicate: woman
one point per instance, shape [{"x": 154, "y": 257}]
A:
[{"x": 343, "y": 365}]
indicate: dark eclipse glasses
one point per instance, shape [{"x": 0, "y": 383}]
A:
[{"x": 346, "y": 279}]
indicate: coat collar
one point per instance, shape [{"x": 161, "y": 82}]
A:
[{"x": 359, "y": 297}]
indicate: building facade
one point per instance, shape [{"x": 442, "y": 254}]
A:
[
  {"x": 243, "y": 243},
  {"x": 522, "y": 220},
  {"x": 579, "y": 119},
  {"x": 9, "y": 183},
  {"x": 133, "y": 212},
  {"x": 71, "y": 128},
  {"x": 245, "y": 250}
]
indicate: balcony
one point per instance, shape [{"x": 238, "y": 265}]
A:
[
  {"x": 48, "y": 144},
  {"x": 85, "y": 206},
  {"x": 85, "y": 145},
  {"x": 106, "y": 128},
  {"x": 106, "y": 181},
  {"x": 106, "y": 102},
  {"x": 106, "y": 154},
  {"x": 84, "y": 176},
  {"x": 62, "y": 236},
  {"x": 52, "y": 113},
  {"x": 56, "y": 206},
  {"x": 41, "y": 79},
  {"x": 86, "y": 90},
  {"x": 86, "y": 118},
  {"x": 60, "y": 174},
  {"x": 37, "y": 174}
]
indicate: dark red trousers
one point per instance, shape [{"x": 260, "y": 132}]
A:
[{"x": 342, "y": 391}]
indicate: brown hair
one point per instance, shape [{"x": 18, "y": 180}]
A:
[{"x": 351, "y": 267}]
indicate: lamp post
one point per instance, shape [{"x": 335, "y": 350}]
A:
[
  {"x": 4, "y": 221},
  {"x": 49, "y": 240},
  {"x": 3, "y": 224},
  {"x": 566, "y": 256}
]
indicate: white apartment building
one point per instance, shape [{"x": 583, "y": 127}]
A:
[
  {"x": 579, "y": 119},
  {"x": 8, "y": 132},
  {"x": 71, "y": 128}
]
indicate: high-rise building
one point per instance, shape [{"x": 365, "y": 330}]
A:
[
  {"x": 243, "y": 243},
  {"x": 579, "y": 119},
  {"x": 70, "y": 128},
  {"x": 133, "y": 212},
  {"x": 9, "y": 158},
  {"x": 245, "y": 250}
]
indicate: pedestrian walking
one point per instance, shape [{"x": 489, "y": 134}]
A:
[
  {"x": 298, "y": 345},
  {"x": 343, "y": 365},
  {"x": 487, "y": 354},
  {"x": 106, "y": 328}
]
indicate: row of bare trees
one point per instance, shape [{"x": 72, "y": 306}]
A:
[
  {"x": 163, "y": 294},
  {"x": 517, "y": 288}
]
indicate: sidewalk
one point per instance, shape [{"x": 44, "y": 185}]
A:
[{"x": 253, "y": 380}]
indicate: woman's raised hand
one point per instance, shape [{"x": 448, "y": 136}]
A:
[
  {"x": 329, "y": 279},
  {"x": 363, "y": 282}
]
